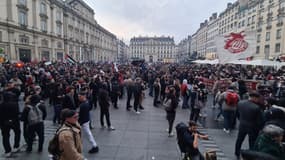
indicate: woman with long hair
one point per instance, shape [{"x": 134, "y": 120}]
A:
[{"x": 171, "y": 104}]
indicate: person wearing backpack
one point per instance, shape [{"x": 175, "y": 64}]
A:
[
  {"x": 196, "y": 103},
  {"x": 171, "y": 109},
  {"x": 229, "y": 100},
  {"x": 33, "y": 115},
  {"x": 69, "y": 136}
]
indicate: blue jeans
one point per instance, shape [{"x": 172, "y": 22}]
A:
[
  {"x": 229, "y": 117},
  {"x": 57, "y": 109},
  {"x": 185, "y": 101}
]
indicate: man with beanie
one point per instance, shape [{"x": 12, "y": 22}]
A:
[
  {"x": 84, "y": 120},
  {"x": 70, "y": 136}
]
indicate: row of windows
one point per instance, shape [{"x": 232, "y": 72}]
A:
[
  {"x": 151, "y": 43},
  {"x": 159, "y": 56},
  {"x": 267, "y": 35},
  {"x": 152, "y": 51},
  {"x": 154, "y": 48},
  {"x": 23, "y": 18},
  {"x": 267, "y": 49}
]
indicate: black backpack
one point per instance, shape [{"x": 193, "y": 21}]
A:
[
  {"x": 181, "y": 129},
  {"x": 53, "y": 146},
  {"x": 115, "y": 86}
]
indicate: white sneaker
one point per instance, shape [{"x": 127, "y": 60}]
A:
[
  {"x": 111, "y": 128},
  {"x": 7, "y": 155},
  {"x": 227, "y": 131},
  {"x": 138, "y": 112},
  {"x": 15, "y": 150},
  {"x": 171, "y": 134}
]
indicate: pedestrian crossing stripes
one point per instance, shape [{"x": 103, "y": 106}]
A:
[{"x": 210, "y": 144}]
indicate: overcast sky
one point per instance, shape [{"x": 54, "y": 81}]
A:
[{"x": 177, "y": 18}]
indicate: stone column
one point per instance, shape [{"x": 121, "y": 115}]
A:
[
  {"x": 9, "y": 10},
  {"x": 36, "y": 48},
  {"x": 12, "y": 50},
  {"x": 52, "y": 19},
  {"x": 35, "y": 14}
]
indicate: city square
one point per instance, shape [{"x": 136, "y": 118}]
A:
[{"x": 148, "y": 80}]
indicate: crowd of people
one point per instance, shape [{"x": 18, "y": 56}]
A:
[{"x": 69, "y": 88}]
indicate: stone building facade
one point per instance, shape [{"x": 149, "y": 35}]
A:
[
  {"x": 36, "y": 30},
  {"x": 183, "y": 49},
  {"x": 153, "y": 49},
  {"x": 212, "y": 33}
]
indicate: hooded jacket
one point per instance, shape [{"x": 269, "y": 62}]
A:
[{"x": 70, "y": 142}]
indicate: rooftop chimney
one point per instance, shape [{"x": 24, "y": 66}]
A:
[
  {"x": 215, "y": 15},
  {"x": 229, "y": 5}
]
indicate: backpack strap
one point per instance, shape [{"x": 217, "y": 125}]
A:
[{"x": 60, "y": 129}]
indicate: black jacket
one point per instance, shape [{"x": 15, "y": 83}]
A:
[
  {"x": 69, "y": 102},
  {"x": 104, "y": 99},
  {"x": 84, "y": 109},
  {"x": 250, "y": 115},
  {"x": 9, "y": 110}
]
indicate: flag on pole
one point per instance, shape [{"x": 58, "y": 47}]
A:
[
  {"x": 69, "y": 59},
  {"x": 115, "y": 67},
  {"x": 236, "y": 46}
]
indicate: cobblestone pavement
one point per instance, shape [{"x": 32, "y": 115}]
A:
[{"x": 139, "y": 137}]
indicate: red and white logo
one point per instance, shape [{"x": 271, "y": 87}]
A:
[{"x": 235, "y": 43}]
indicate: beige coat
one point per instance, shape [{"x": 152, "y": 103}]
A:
[{"x": 71, "y": 150}]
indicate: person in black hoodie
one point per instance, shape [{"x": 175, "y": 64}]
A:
[
  {"x": 104, "y": 100},
  {"x": 69, "y": 99},
  {"x": 94, "y": 86},
  {"x": 115, "y": 91},
  {"x": 9, "y": 119}
]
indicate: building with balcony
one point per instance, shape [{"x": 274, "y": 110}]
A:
[
  {"x": 264, "y": 17},
  {"x": 202, "y": 39},
  {"x": 35, "y": 30},
  {"x": 153, "y": 49},
  {"x": 212, "y": 33},
  {"x": 193, "y": 47},
  {"x": 270, "y": 29},
  {"x": 122, "y": 56},
  {"x": 228, "y": 18},
  {"x": 183, "y": 49}
]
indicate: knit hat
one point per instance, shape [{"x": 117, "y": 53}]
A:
[
  {"x": 67, "y": 113},
  {"x": 35, "y": 99}
]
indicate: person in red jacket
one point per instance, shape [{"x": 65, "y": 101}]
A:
[{"x": 184, "y": 91}]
